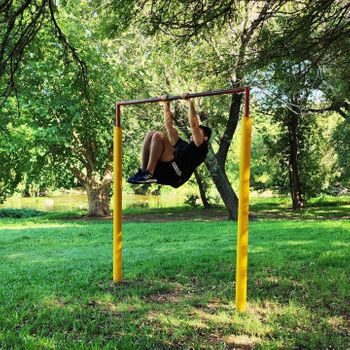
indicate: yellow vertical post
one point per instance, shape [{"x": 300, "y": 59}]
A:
[
  {"x": 243, "y": 216},
  {"x": 117, "y": 208}
]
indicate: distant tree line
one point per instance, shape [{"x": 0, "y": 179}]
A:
[{"x": 64, "y": 64}]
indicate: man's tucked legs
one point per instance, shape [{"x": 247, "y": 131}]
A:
[
  {"x": 155, "y": 148},
  {"x": 145, "y": 150},
  {"x": 156, "y": 151}
]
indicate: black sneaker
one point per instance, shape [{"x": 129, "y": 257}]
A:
[
  {"x": 145, "y": 178},
  {"x": 131, "y": 179}
]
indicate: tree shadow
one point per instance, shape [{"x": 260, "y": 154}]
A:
[{"x": 181, "y": 293}]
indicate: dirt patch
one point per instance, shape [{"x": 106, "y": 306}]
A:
[
  {"x": 164, "y": 216},
  {"x": 186, "y": 215},
  {"x": 214, "y": 215},
  {"x": 174, "y": 296},
  {"x": 110, "y": 307},
  {"x": 241, "y": 342}
]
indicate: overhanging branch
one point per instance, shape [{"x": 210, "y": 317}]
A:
[{"x": 67, "y": 45}]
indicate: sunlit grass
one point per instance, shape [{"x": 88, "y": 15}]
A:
[{"x": 178, "y": 286}]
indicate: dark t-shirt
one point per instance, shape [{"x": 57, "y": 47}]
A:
[{"x": 188, "y": 156}]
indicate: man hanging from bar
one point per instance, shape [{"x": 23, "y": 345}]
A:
[{"x": 168, "y": 159}]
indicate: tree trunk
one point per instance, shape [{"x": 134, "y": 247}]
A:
[
  {"x": 223, "y": 185},
  {"x": 202, "y": 189},
  {"x": 97, "y": 186},
  {"x": 98, "y": 199},
  {"x": 294, "y": 178},
  {"x": 216, "y": 162}
]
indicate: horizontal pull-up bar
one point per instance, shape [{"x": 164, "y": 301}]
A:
[
  {"x": 243, "y": 207},
  {"x": 244, "y": 90}
]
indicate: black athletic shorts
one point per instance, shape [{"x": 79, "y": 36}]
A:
[{"x": 169, "y": 173}]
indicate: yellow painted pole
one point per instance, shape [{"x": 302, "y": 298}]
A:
[
  {"x": 243, "y": 216},
  {"x": 117, "y": 209}
]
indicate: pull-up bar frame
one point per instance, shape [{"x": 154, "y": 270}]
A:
[{"x": 243, "y": 209}]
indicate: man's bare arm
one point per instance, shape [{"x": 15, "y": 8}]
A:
[
  {"x": 169, "y": 124},
  {"x": 194, "y": 121}
]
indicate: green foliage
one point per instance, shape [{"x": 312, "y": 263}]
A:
[
  {"x": 341, "y": 139},
  {"x": 70, "y": 124},
  {"x": 192, "y": 200},
  {"x": 10, "y": 174},
  {"x": 289, "y": 95},
  {"x": 19, "y": 213},
  {"x": 64, "y": 123},
  {"x": 16, "y": 151}
]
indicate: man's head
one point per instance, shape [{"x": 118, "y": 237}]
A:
[{"x": 206, "y": 132}]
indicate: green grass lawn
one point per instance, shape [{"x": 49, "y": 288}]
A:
[
  {"x": 272, "y": 208},
  {"x": 178, "y": 289}
]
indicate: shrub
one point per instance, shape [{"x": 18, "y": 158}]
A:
[
  {"x": 19, "y": 213},
  {"x": 191, "y": 200}
]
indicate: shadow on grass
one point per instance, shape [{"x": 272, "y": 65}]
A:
[
  {"x": 177, "y": 293},
  {"x": 290, "y": 304}
]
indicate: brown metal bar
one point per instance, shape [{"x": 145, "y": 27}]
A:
[
  {"x": 246, "y": 101},
  {"x": 117, "y": 115},
  {"x": 181, "y": 97}
]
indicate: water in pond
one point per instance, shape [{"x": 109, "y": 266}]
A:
[{"x": 72, "y": 201}]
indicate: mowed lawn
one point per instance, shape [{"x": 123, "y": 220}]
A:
[{"x": 178, "y": 288}]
